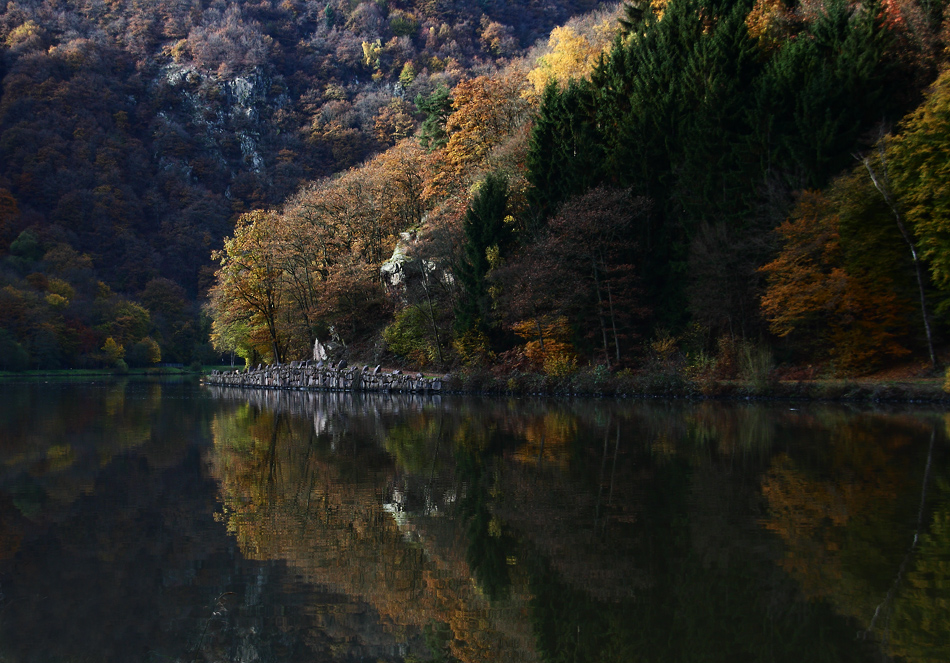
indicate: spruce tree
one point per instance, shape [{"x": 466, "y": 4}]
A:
[{"x": 565, "y": 154}]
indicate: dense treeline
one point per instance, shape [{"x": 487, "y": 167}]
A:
[
  {"x": 136, "y": 133},
  {"x": 719, "y": 112},
  {"x": 649, "y": 190}
]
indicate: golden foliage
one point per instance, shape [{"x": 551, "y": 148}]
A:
[
  {"x": 486, "y": 111},
  {"x": 549, "y": 439},
  {"x": 920, "y": 157},
  {"x": 473, "y": 348},
  {"x": 285, "y": 498},
  {"x": 571, "y": 56},
  {"x": 767, "y": 24},
  {"x": 114, "y": 351},
  {"x": 550, "y": 344}
]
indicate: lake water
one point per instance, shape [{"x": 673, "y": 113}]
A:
[{"x": 165, "y": 521}]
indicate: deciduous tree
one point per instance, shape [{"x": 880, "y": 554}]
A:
[{"x": 248, "y": 284}]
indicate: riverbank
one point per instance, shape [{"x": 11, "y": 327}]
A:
[
  {"x": 594, "y": 383},
  {"x": 674, "y": 385},
  {"x": 66, "y": 373},
  {"x": 315, "y": 376}
]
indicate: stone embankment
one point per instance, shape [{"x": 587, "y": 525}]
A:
[{"x": 309, "y": 375}]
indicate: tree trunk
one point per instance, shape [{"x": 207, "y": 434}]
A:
[
  {"x": 613, "y": 323},
  {"x": 884, "y": 189},
  {"x": 600, "y": 313},
  {"x": 537, "y": 321},
  {"x": 435, "y": 327}
]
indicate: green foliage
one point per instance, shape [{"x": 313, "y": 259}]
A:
[
  {"x": 756, "y": 366},
  {"x": 560, "y": 366},
  {"x": 402, "y": 24},
  {"x": 472, "y": 348},
  {"x": 45, "y": 349},
  {"x": 27, "y": 247},
  {"x": 438, "y": 636},
  {"x": 409, "y": 336},
  {"x": 920, "y": 172},
  {"x": 821, "y": 92},
  {"x": 689, "y": 111},
  {"x": 437, "y": 107},
  {"x": 113, "y": 351},
  {"x": 25, "y": 251},
  {"x": 144, "y": 353},
  {"x": 13, "y": 356},
  {"x": 566, "y": 153},
  {"x": 485, "y": 231}
]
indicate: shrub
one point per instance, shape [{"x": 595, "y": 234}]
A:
[
  {"x": 13, "y": 356},
  {"x": 756, "y": 366},
  {"x": 472, "y": 348},
  {"x": 408, "y": 337}
]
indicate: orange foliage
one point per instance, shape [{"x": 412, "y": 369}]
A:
[
  {"x": 820, "y": 517},
  {"x": 811, "y": 292},
  {"x": 280, "y": 500},
  {"x": 487, "y": 110},
  {"x": 549, "y": 339}
]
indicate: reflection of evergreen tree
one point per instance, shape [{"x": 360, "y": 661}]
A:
[
  {"x": 489, "y": 545},
  {"x": 742, "y": 609},
  {"x": 692, "y": 614}
]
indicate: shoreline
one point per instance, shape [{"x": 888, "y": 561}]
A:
[
  {"x": 644, "y": 386},
  {"x": 678, "y": 388}
]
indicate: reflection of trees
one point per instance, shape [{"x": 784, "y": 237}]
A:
[
  {"x": 316, "y": 500},
  {"x": 644, "y": 546},
  {"x": 921, "y": 619},
  {"x": 845, "y": 509},
  {"x": 57, "y": 437},
  {"x": 689, "y": 605},
  {"x": 618, "y": 531},
  {"x": 117, "y": 552}
]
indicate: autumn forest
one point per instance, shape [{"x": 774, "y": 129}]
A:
[{"x": 545, "y": 186}]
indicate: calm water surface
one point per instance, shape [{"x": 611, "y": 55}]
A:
[{"x": 164, "y": 521}]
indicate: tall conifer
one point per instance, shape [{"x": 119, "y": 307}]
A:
[{"x": 485, "y": 233}]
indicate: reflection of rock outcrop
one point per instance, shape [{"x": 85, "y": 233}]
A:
[
  {"x": 129, "y": 568},
  {"x": 289, "y": 494},
  {"x": 592, "y": 531}
]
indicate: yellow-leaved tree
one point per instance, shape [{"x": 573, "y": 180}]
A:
[
  {"x": 248, "y": 294},
  {"x": 572, "y": 56}
]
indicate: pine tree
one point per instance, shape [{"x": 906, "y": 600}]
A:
[
  {"x": 437, "y": 107},
  {"x": 821, "y": 91}
]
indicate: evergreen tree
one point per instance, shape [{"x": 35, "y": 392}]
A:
[
  {"x": 821, "y": 91},
  {"x": 565, "y": 155},
  {"x": 635, "y": 13},
  {"x": 485, "y": 234},
  {"x": 437, "y": 108}
]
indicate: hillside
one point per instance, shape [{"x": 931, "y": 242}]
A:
[
  {"x": 703, "y": 189},
  {"x": 132, "y": 135}
]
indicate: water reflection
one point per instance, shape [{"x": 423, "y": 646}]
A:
[
  {"x": 157, "y": 521},
  {"x": 597, "y": 531}
]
